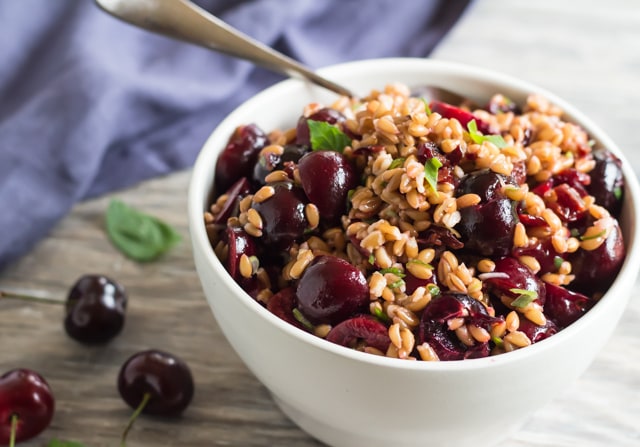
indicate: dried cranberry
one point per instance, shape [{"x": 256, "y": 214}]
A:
[{"x": 463, "y": 116}]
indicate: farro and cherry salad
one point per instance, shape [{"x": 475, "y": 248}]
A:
[{"x": 418, "y": 230}]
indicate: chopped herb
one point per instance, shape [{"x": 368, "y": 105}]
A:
[
  {"x": 568, "y": 154},
  {"x": 324, "y": 136},
  {"x": 397, "y": 162},
  {"x": 372, "y": 259},
  {"x": 478, "y": 138},
  {"x": 380, "y": 314},
  {"x": 255, "y": 263},
  {"x": 617, "y": 192},
  {"x": 433, "y": 290},
  {"x": 557, "y": 261},
  {"x": 497, "y": 341},
  {"x": 427, "y": 107},
  {"x": 431, "y": 167},
  {"x": 396, "y": 284},
  {"x": 395, "y": 270},
  {"x": 419, "y": 262},
  {"x": 525, "y": 298},
  {"x": 591, "y": 142},
  {"x": 139, "y": 236},
  {"x": 302, "y": 319},
  {"x": 349, "y": 196},
  {"x": 595, "y": 236},
  {"x": 574, "y": 232}
]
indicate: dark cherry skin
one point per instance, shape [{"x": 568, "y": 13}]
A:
[
  {"x": 595, "y": 270},
  {"x": 163, "y": 376},
  {"x": 359, "y": 332},
  {"x": 282, "y": 304},
  {"x": 268, "y": 163},
  {"x": 487, "y": 229},
  {"x": 238, "y": 190},
  {"x": 544, "y": 253},
  {"x": 331, "y": 290},
  {"x": 607, "y": 181},
  {"x": 433, "y": 327},
  {"x": 518, "y": 276},
  {"x": 326, "y": 178},
  {"x": 536, "y": 333},
  {"x": 27, "y": 394},
  {"x": 240, "y": 243},
  {"x": 239, "y": 155},
  {"x": 283, "y": 216},
  {"x": 95, "y": 309},
  {"x": 563, "y": 306},
  {"x": 328, "y": 115}
]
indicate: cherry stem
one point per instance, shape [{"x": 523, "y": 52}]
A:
[
  {"x": 14, "y": 429},
  {"x": 23, "y": 297},
  {"x": 134, "y": 416}
]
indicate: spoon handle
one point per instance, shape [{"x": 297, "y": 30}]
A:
[{"x": 186, "y": 21}]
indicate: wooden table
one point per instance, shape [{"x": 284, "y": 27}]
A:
[{"x": 584, "y": 51}]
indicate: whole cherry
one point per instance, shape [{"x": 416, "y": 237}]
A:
[
  {"x": 95, "y": 308},
  {"x": 26, "y": 405},
  {"x": 155, "y": 382}
]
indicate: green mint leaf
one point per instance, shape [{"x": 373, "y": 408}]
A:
[
  {"x": 419, "y": 262},
  {"x": 526, "y": 297},
  {"x": 139, "y": 236},
  {"x": 58, "y": 443},
  {"x": 380, "y": 315},
  {"x": 433, "y": 290},
  {"x": 427, "y": 107},
  {"x": 431, "y": 167},
  {"x": 557, "y": 261},
  {"x": 617, "y": 192},
  {"x": 478, "y": 138},
  {"x": 302, "y": 319},
  {"x": 395, "y": 270},
  {"x": 595, "y": 236},
  {"x": 326, "y": 137},
  {"x": 397, "y": 162}
]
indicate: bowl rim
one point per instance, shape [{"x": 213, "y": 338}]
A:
[{"x": 199, "y": 188}]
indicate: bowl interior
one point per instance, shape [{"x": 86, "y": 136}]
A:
[{"x": 279, "y": 107}]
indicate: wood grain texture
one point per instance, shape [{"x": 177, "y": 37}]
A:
[{"x": 587, "y": 52}]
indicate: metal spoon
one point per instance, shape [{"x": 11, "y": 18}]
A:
[{"x": 184, "y": 20}]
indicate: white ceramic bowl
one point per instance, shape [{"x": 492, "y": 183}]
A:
[{"x": 348, "y": 398}]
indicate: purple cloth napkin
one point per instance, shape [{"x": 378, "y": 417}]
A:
[{"x": 89, "y": 104}]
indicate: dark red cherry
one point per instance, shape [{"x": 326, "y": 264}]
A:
[
  {"x": 434, "y": 329},
  {"x": 161, "y": 379},
  {"x": 327, "y": 177},
  {"x": 331, "y": 290},
  {"x": 535, "y": 332},
  {"x": 487, "y": 229},
  {"x": 239, "y": 156},
  {"x": 564, "y": 306},
  {"x": 283, "y": 215},
  {"x": 26, "y": 397},
  {"x": 514, "y": 275},
  {"x": 282, "y": 304},
  {"x": 596, "y": 269},
  {"x": 328, "y": 115},
  {"x": 95, "y": 309},
  {"x": 238, "y": 190},
  {"x": 607, "y": 181},
  {"x": 360, "y": 332},
  {"x": 240, "y": 243}
]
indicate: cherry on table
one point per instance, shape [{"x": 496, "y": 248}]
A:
[
  {"x": 155, "y": 382},
  {"x": 96, "y": 308},
  {"x": 26, "y": 405}
]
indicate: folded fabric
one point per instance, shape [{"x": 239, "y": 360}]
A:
[{"x": 89, "y": 104}]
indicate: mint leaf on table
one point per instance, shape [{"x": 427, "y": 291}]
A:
[
  {"x": 137, "y": 235},
  {"x": 324, "y": 136},
  {"x": 58, "y": 443}
]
